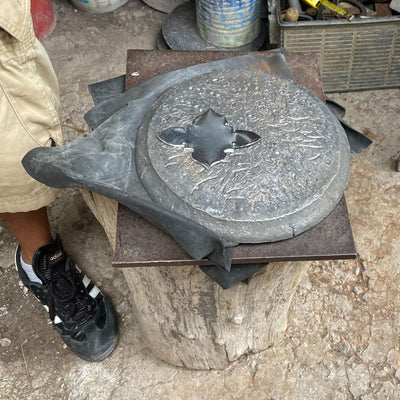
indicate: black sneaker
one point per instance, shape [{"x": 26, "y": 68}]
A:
[{"x": 78, "y": 310}]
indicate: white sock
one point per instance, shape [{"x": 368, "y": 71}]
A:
[{"x": 29, "y": 271}]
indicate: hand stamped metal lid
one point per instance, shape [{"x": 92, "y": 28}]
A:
[{"x": 250, "y": 155}]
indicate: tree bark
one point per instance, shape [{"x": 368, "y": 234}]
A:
[{"x": 188, "y": 320}]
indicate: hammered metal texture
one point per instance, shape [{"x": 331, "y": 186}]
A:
[{"x": 276, "y": 189}]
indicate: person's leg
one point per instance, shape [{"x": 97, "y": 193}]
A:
[
  {"x": 29, "y": 99},
  {"x": 31, "y": 229}
]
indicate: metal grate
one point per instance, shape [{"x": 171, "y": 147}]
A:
[{"x": 352, "y": 55}]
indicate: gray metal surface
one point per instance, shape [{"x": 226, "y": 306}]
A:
[
  {"x": 359, "y": 55},
  {"x": 179, "y": 31},
  {"x": 165, "y": 6},
  {"x": 161, "y": 43},
  {"x": 279, "y": 187}
]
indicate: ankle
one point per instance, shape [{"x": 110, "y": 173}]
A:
[
  {"x": 28, "y": 250},
  {"x": 26, "y": 256}
]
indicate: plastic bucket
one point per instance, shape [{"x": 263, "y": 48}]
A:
[
  {"x": 228, "y": 23},
  {"x": 43, "y": 18},
  {"x": 97, "y": 6}
]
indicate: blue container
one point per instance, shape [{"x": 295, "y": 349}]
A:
[{"x": 228, "y": 23}]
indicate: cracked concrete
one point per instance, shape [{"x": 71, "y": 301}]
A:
[{"x": 342, "y": 340}]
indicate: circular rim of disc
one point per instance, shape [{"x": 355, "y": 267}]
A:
[{"x": 279, "y": 228}]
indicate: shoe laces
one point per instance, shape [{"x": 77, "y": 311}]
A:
[{"x": 67, "y": 296}]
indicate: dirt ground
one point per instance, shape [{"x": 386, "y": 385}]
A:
[{"x": 342, "y": 340}]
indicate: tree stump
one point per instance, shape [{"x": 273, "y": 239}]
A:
[{"x": 189, "y": 321}]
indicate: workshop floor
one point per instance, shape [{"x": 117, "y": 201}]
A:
[{"x": 342, "y": 340}]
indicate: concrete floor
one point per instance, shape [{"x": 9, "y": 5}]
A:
[{"x": 342, "y": 340}]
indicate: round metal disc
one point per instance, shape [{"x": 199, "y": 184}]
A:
[
  {"x": 165, "y": 6},
  {"x": 272, "y": 189},
  {"x": 161, "y": 43},
  {"x": 179, "y": 31}
]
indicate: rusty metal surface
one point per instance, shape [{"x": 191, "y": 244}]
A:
[
  {"x": 145, "y": 64},
  {"x": 141, "y": 244}
]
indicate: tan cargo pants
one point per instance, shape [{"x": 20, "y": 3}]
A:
[{"x": 29, "y": 100}]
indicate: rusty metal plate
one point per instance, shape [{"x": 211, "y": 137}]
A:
[
  {"x": 331, "y": 239},
  {"x": 145, "y": 64}
]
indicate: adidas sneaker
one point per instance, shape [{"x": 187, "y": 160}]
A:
[{"x": 78, "y": 310}]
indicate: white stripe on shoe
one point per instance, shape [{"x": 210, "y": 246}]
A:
[
  {"x": 86, "y": 281},
  {"x": 94, "y": 292},
  {"x": 57, "y": 320}
]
